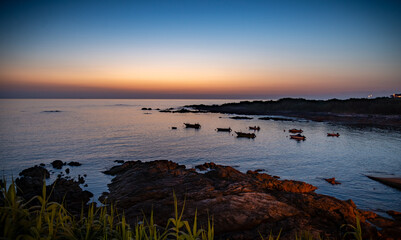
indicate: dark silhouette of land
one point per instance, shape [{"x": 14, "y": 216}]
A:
[{"x": 378, "y": 111}]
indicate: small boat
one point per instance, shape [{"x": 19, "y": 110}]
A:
[
  {"x": 333, "y": 134},
  {"x": 298, "y": 137},
  {"x": 224, "y": 129},
  {"x": 190, "y": 125},
  {"x": 246, "y": 135},
  {"x": 256, "y": 128},
  {"x": 295, "y": 130}
]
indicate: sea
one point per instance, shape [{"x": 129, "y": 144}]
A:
[{"x": 97, "y": 132}]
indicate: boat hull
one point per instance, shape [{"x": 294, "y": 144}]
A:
[
  {"x": 224, "y": 129},
  {"x": 296, "y": 137},
  {"x": 189, "y": 125},
  {"x": 245, "y": 135}
]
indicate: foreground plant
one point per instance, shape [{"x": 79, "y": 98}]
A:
[{"x": 39, "y": 218}]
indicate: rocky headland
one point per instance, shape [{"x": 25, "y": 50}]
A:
[
  {"x": 242, "y": 205},
  {"x": 378, "y": 112}
]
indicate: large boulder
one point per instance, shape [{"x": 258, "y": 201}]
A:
[{"x": 242, "y": 205}]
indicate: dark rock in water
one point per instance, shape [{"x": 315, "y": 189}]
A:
[
  {"x": 184, "y": 110},
  {"x": 276, "y": 119},
  {"x": 42, "y": 165},
  {"x": 58, "y": 164},
  {"x": 67, "y": 171},
  {"x": 52, "y": 111},
  {"x": 86, "y": 185},
  {"x": 35, "y": 172},
  {"x": 238, "y": 117},
  {"x": 242, "y": 205},
  {"x": 119, "y": 161},
  {"x": 332, "y": 181},
  {"x": 145, "y": 109},
  {"x": 81, "y": 179},
  {"x": 74, "y": 164}
]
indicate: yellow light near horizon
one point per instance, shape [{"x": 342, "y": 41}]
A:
[{"x": 170, "y": 78}]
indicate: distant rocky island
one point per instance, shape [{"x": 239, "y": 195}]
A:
[{"x": 378, "y": 111}]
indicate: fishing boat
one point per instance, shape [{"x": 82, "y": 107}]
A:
[
  {"x": 245, "y": 135},
  {"x": 295, "y": 130},
  {"x": 224, "y": 129},
  {"x": 333, "y": 134},
  {"x": 190, "y": 125},
  {"x": 256, "y": 128},
  {"x": 298, "y": 137}
]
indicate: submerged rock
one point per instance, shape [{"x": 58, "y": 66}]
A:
[{"x": 242, "y": 205}]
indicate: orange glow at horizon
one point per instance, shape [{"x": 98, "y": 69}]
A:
[{"x": 189, "y": 79}]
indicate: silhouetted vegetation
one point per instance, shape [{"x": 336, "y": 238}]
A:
[{"x": 382, "y": 106}]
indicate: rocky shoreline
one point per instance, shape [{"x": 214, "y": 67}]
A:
[
  {"x": 242, "y": 205},
  {"x": 362, "y": 112}
]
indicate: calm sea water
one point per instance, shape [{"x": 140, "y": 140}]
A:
[{"x": 97, "y": 132}]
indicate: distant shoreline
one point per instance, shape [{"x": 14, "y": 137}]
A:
[{"x": 385, "y": 112}]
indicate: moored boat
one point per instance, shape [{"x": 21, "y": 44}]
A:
[
  {"x": 294, "y": 130},
  {"x": 256, "y": 128},
  {"x": 333, "y": 134},
  {"x": 224, "y": 129},
  {"x": 246, "y": 135},
  {"x": 190, "y": 125},
  {"x": 298, "y": 137}
]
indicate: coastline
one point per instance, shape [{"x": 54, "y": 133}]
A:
[
  {"x": 242, "y": 205},
  {"x": 376, "y": 112}
]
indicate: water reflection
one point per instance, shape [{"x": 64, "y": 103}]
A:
[{"x": 97, "y": 132}]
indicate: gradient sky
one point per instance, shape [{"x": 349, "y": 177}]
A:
[{"x": 199, "y": 49}]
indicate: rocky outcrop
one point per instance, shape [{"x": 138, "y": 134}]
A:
[
  {"x": 242, "y": 205},
  {"x": 35, "y": 172},
  {"x": 70, "y": 193},
  {"x": 31, "y": 181},
  {"x": 332, "y": 181},
  {"x": 74, "y": 164},
  {"x": 57, "y": 164}
]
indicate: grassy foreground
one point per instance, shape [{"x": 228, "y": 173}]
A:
[{"x": 40, "y": 219}]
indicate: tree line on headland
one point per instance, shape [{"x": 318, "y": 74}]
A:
[{"x": 380, "y": 106}]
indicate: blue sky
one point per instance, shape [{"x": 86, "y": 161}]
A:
[{"x": 258, "y": 48}]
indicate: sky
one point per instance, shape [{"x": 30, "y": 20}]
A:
[{"x": 199, "y": 49}]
